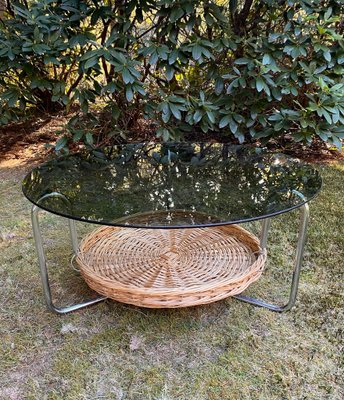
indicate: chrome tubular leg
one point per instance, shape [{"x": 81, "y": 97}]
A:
[
  {"x": 304, "y": 217},
  {"x": 73, "y": 235},
  {"x": 44, "y": 272},
  {"x": 264, "y": 233},
  {"x": 41, "y": 256}
]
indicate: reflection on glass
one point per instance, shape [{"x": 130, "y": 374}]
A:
[{"x": 172, "y": 184}]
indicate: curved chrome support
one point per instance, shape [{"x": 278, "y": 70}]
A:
[
  {"x": 74, "y": 267},
  {"x": 71, "y": 222},
  {"x": 302, "y": 236},
  {"x": 42, "y": 259}
]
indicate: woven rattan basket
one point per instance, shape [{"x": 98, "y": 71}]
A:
[{"x": 168, "y": 268}]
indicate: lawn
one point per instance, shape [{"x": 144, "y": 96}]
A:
[{"x": 226, "y": 350}]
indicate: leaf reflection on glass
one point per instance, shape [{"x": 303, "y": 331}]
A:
[{"x": 172, "y": 184}]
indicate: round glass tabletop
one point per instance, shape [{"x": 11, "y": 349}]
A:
[{"x": 172, "y": 185}]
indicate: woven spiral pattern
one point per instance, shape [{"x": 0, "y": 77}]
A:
[{"x": 168, "y": 268}]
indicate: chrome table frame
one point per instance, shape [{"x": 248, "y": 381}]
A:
[
  {"x": 42, "y": 259},
  {"x": 304, "y": 217},
  {"x": 302, "y": 236}
]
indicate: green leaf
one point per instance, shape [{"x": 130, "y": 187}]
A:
[
  {"x": 209, "y": 19},
  {"x": 127, "y": 78},
  {"x": 217, "y": 12},
  {"x": 166, "y": 115},
  {"x": 242, "y": 61},
  {"x": 89, "y": 138},
  {"x": 207, "y": 53},
  {"x": 137, "y": 87},
  {"x": 176, "y": 14},
  {"x": 224, "y": 121},
  {"x": 337, "y": 142},
  {"x": 275, "y": 117},
  {"x": 110, "y": 87},
  {"x": 175, "y": 111},
  {"x": 78, "y": 135},
  {"x": 173, "y": 56},
  {"x": 240, "y": 136},
  {"x": 259, "y": 84},
  {"x": 327, "y": 116},
  {"x": 327, "y": 55},
  {"x": 273, "y": 37},
  {"x": 61, "y": 143},
  {"x": 233, "y": 126},
  {"x": 339, "y": 132},
  {"x": 169, "y": 72},
  {"x": 219, "y": 85},
  {"x": 204, "y": 127},
  {"x": 328, "y": 13},
  {"x": 197, "y": 116},
  {"x": 166, "y": 135},
  {"x": 134, "y": 72},
  {"x": 90, "y": 54},
  {"x": 276, "y": 94},
  {"x": 234, "y": 84},
  {"x": 211, "y": 116},
  {"x": 40, "y": 48},
  {"x": 53, "y": 60},
  {"x": 196, "y": 52},
  {"x": 266, "y": 59},
  {"x": 154, "y": 58},
  {"x": 239, "y": 118},
  {"x": 129, "y": 94},
  {"x": 90, "y": 63},
  {"x": 119, "y": 56},
  {"x": 163, "y": 52},
  {"x": 115, "y": 111},
  {"x": 165, "y": 160}
]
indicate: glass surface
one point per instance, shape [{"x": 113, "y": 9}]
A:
[{"x": 172, "y": 185}]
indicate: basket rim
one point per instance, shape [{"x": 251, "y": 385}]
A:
[{"x": 254, "y": 268}]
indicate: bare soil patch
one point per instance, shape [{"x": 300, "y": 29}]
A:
[{"x": 24, "y": 144}]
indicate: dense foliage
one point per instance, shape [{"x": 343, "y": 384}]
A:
[{"x": 252, "y": 69}]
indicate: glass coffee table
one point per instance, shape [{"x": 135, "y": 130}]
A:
[{"x": 170, "y": 216}]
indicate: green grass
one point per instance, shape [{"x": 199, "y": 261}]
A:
[{"x": 226, "y": 350}]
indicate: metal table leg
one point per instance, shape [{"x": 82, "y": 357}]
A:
[
  {"x": 304, "y": 217},
  {"x": 42, "y": 260}
]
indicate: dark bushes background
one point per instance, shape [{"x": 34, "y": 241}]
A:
[{"x": 253, "y": 69}]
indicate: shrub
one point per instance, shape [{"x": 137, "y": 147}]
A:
[{"x": 253, "y": 69}]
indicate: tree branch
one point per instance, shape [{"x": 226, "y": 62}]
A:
[
  {"x": 103, "y": 38},
  {"x": 240, "y": 18},
  {"x": 75, "y": 84},
  {"x": 245, "y": 10}
]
